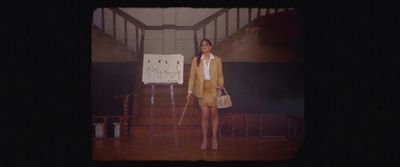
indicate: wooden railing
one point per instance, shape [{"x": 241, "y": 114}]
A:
[
  {"x": 196, "y": 27},
  {"x": 127, "y": 18},
  {"x": 214, "y": 18}
]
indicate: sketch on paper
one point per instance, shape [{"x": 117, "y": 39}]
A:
[{"x": 159, "y": 68}]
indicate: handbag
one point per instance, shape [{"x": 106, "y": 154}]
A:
[{"x": 223, "y": 101}]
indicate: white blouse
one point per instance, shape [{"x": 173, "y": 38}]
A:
[{"x": 207, "y": 66}]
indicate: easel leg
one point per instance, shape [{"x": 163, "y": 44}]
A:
[
  {"x": 171, "y": 87},
  {"x": 151, "y": 116}
]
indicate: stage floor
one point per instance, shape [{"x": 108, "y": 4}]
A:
[{"x": 163, "y": 147}]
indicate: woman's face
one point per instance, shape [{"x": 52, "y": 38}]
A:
[{"x": 205, "y": 47}]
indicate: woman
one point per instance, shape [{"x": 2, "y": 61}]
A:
[{"x": 205, "y": 78}]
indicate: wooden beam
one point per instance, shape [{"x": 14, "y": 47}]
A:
[
  {"x": 106, "y": 116},
  {"x": 129, "y": 18},
  {"x": 170, "y": 27}
]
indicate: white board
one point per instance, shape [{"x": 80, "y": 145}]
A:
[{"x": 164, "y": 69}]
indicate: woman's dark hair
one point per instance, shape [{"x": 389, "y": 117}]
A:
[{"x": 198, "y": 55}]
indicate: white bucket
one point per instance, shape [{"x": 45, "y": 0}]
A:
[
  {"x": 99, "y": 130},
  {"x": 116, "y": 129}
]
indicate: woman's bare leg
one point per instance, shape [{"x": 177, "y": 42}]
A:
[
  {"x": 214, "y": 123},
  {"x": 204, "y": 125}
]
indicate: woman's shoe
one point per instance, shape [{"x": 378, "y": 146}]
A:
[
  {"x": 214, "y": 145},
  {"x": 203, "y": 146}
]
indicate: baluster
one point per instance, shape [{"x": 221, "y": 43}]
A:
[
  {"x": 105, "y": 126},
  {"x": 219, "y": 125},
  {"x": 114, "y": 25},
  {"x": 226, "y": 23},
  {"x": 102, "y": 19},
  {"x": 204, "y": 31},
  {"x": 237, "y": 19},
  {"x": 232, "y": 127},
  {"x": 125, "y": 116},
  {"x": 137, "y": 39},
  {"x": 196, "y": 46},
  {"x": 135, "y": 96},
  {"x": 249, "y": 15},
  {"x": 258, "y": 12},
  {"x": 260, "y": 125},
  {"x": 142, "y": 33},
  {"x": 289, "y": 126},
  {"x": 141, "y": 52},
  {"x": 295, "y": 129},
  {"x": 298, "y": 129},
  {"x": 125, "y": 31},
  {"x": 301, "y": 129},
  {"x": 246, "y": 124},
  {"x": 215, "y": 31}
]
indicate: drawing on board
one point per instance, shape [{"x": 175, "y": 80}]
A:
[{"x": 159, "y": 68}]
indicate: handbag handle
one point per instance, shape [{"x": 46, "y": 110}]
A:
[{"x": 224, "y": 90}]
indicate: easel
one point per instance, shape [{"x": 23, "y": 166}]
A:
[{"x": 172, "y": 96}]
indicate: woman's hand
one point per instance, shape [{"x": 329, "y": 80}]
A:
[
  {"x": 219, "y": 86},
  {"x": 188, "y": 96}
]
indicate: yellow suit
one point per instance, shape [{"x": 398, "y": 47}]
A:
[{"x": 196, "y": 78}]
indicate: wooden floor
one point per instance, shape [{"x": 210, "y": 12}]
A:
[{"x": 163, "y": 147}]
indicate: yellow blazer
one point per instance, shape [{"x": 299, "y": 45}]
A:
[{"x": 196, "y": 78}]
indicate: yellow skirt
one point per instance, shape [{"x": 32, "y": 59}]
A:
[{"x": 208, "y": 99}]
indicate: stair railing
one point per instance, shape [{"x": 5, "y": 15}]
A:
[{"x": 214, "y": 18}]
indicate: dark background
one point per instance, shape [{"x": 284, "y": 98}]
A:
[
  {"x": 350, "y": 84},
  {"x": 109, "y": 80}
]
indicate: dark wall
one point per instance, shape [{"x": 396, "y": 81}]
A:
[
  {"x": 109, "y": 80},
  {"x": 265, "y": 87}
]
